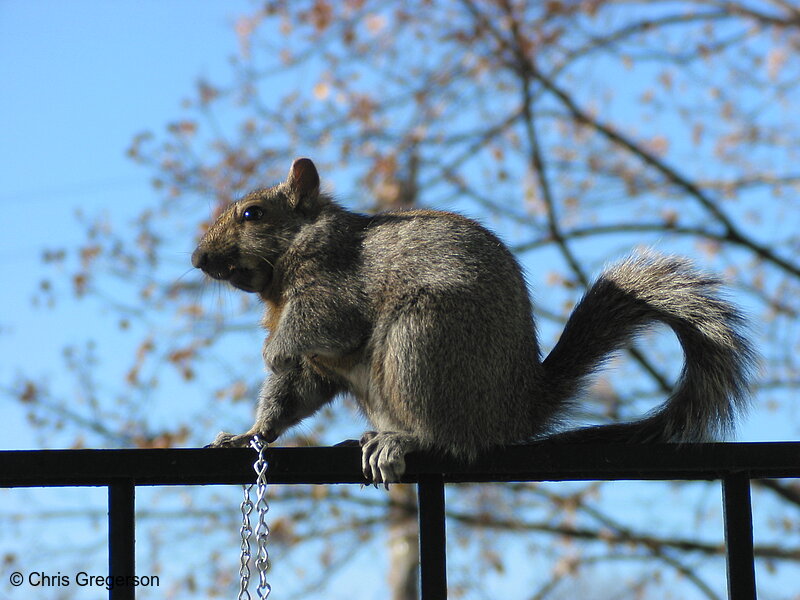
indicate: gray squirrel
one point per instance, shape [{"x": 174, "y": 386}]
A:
[{"x": 425, "y": 318}]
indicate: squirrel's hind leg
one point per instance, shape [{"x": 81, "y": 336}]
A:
[{"x": 383, "y": 455}]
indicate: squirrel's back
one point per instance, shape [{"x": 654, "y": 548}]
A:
[{"x": 443, "y": 252}]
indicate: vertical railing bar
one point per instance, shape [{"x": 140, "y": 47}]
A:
[
  {"x": 121, "y": 539},
  {"x": 738, "y": 515},
  {"x": 432, "y": 538}
]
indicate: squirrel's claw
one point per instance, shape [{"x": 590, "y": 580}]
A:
[
  {"x": 383, "y": 456},
  {"x": 228, "y": 440}
]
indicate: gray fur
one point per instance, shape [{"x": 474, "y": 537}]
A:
[{"x": 425, "y": 318}]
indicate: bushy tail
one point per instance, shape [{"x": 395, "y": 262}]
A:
[{"x": 643, "y": 289}]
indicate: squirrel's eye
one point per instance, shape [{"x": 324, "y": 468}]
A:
[{"x": 252, "y": 213}]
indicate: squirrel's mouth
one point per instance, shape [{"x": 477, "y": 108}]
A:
[
  {"x": 248, "y": 280},
  {"x": 243, "y": 277}
]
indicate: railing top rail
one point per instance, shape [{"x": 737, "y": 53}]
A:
[{"x": 342, "y": 464}]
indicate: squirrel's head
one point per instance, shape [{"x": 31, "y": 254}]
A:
[{"x": 246, "y": 241}]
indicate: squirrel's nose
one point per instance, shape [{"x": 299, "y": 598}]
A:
[{"x": 199, "y": 258}]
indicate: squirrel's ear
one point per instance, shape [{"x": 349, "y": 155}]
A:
[{"x": 303, "y": 180}]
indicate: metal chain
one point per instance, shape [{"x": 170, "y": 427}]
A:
[
  {"x": 246, "y": 531},
  {"x": 262, "y": 530}
]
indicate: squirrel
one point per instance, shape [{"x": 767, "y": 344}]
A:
[{"x": 425, "y": 318}]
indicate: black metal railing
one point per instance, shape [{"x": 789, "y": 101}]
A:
[{"x": 734, "y": 464}]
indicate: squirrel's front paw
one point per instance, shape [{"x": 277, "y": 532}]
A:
[
  {"x": 383, "y": 455},
  {"x": 228, "y": 440}
]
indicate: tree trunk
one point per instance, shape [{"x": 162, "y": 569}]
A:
[{"x": 403, "y": 543}]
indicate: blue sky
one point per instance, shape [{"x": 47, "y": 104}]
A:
[{"x": 80, "y": 79}]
